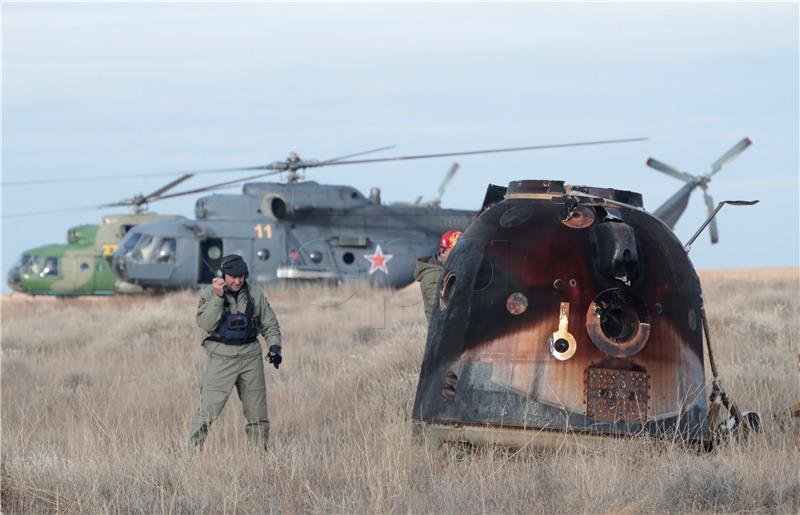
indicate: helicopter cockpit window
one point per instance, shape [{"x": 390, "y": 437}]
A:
[
  {"x": 129, "y": 243},
  {"x": 166, "y": 251},
  {"x": 23, "y": 261},
  {"x": 39, "y": 265},
  {"x": 31, "y": 264},
  {"x": 144, "y": 249}
]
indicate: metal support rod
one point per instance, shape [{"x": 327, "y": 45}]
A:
[
  {"x": 688, "y": 245},
  {"x": 711, "y": 360}
]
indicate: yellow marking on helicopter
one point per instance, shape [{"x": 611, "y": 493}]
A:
[
  {"x": 109, "y": 248},
  {"x": 264, "y": 230}
]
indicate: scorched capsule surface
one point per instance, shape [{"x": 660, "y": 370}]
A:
[{"x": 566, "y": 308}]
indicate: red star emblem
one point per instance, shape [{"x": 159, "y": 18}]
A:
[{"x": 378, "y": 260}]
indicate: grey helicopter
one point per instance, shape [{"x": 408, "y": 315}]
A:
[{"x": 296, "y": 230}]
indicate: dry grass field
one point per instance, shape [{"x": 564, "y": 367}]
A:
[{"x": 97, "y": 397}]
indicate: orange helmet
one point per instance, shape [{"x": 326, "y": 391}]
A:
[{"x": 449, "y": 239}]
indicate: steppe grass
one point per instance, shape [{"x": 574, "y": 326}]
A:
[{"x": 97, "y": 396}]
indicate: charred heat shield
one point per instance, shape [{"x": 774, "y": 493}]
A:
[{"x": 559, "y": 312}]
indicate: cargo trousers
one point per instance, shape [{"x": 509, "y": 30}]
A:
[{"x": 229, "y": 366}]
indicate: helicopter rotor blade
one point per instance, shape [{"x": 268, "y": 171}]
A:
[
  {"x": 134, "y": 201},
  {"x": 710, "y": 206},
  {"x": 365, "y": 152},
  {"x": 446, "y": 181},
  {"x": 220, "y": 185},
  {"x": 730, "y": 155},
  {"x": 278, "y": 165},
  {"x": 472, "y": 152},
  {"x": 87, "y": 178},
  {"x": 51, "y": 211},
  {"x": 156, "y": 194},
  {"x": 284, "y": 166},
  {"x": 670, "y": 170}
]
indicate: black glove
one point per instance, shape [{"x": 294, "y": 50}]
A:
[{"x": 274, "y": 355}]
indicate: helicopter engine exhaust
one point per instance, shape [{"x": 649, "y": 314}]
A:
[{"x": 274, "y": 206}]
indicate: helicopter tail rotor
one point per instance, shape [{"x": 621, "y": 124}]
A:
[
  {"x": 670, "y": 170},
  {"x": 730, "y": 155},
  {"x": 673, "y": 208}
]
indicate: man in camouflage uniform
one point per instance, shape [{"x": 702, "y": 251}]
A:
[
  {"x": 428, "y": 271},
  {"x": 234, "y": 312}
]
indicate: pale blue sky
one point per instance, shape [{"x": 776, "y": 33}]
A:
[{"x": 95, "y": 89}]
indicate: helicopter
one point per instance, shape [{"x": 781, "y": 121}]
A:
[
  {"x": 297, "y": 230},
  {"x": 82, "y": 266},
  {"x": 569, "y": 309}
]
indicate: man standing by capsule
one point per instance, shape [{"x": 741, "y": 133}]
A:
[
  {"x": 234, "y": 313},
  {"x": 428, "y": 271}
]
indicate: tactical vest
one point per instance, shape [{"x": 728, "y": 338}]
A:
[{"x": 237, "y": 329}]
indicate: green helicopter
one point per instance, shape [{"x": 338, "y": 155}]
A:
[{"x": 82, "y": 266}]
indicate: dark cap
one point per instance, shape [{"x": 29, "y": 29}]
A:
[{"x": 233, "y": 264}]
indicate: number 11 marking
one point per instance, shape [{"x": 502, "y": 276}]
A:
[{"x": 264, "y": 231}]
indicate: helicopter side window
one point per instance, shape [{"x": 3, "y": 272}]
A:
[
  {"x": 84, "y": 266},
  {"x": 166, "y": 251},
  {"x": 214, "y": 252},
  {"x": 50, "y": 267}
]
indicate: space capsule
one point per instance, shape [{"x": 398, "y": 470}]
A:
[{"x": 564, "y": 309}]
